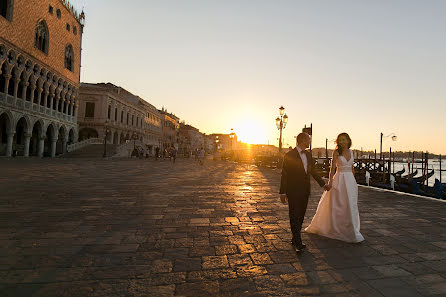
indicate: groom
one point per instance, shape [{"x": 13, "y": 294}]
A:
[{"x": 295, "y": 185}]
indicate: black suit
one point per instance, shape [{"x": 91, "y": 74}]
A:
[{"x": 295, "y": 183}]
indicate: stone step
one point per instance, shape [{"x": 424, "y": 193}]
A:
[{"x": 91, "y": 151}]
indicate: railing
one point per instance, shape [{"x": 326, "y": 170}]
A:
[
  {"x": 84, "y": 143},
  {"x": 125, "y": 149},
  {"x": 21, "y": 104}
]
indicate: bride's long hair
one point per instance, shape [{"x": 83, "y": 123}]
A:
[{"x": 338, "y": 148}]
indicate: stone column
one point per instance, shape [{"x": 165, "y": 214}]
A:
[
  {"x": 53, "y": 147},
  {"x": 119, "y": 138},
  {"x": 9, "y": 144},
  {"x": 16, "y": 87},
  {"x": 41, "y": 146},
  {"x": 39, "y": 96},
  {"x": 45, "y": 97},
  {"x": 31, "y": 97},
  {"x": 51, "y": 100},
  {"x": 27, "y": 140},
  {"x": 7, "y": 78},
  {"x": 112, "y": 135},
  {"x": 24, "y": 88}
]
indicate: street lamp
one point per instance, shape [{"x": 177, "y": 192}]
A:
[
  {"x": 106, "y": 131},
  {"x": 394, "y": 138},
  {"x": 281, "y": 122}
]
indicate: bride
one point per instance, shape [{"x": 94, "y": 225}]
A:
[{"x": 337, "y": 214}]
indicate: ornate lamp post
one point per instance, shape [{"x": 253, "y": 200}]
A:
[
  {"x": 106, "y": 131},
  {"x": 394, "y": 138},
  {"x": 281, "y": 122}
]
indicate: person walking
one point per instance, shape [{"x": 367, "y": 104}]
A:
[{"x": 295, "y": 185}]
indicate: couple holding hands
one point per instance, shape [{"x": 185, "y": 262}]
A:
[{"x": 337, "y": 214}]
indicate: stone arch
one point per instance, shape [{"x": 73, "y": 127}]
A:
[
  {"x": 61, "y": 140},
  {"x": 87, "y": 133},
  {"x": 71, "y": 136},
  {"x": 50, "y": 134},
  {"x": 12, "y": 81},
  {"x": 3, "y": 72},
  {"x": 5, "y": 128},
  {"x": 36, "y": 136},
  {"x": 21, "y": 130}
]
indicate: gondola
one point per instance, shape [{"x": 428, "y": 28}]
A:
[
  {"x": 423, "y": 178},
  {"x": 399, "y": 173},
  {"x": 410, "y": 175}
]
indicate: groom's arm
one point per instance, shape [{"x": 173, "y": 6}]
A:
[
  {"x": 315, "y": 175},
  {"x": 284, "y": 177}
]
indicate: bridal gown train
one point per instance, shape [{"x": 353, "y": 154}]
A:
[{"x": 337, "y": 214}]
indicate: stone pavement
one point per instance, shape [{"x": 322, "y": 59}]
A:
[{"x": 79, "y": 227}]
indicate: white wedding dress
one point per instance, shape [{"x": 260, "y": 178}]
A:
[{"x": 337, "y": 214}]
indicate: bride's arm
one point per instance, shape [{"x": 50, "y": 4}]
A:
[{"x": 332, "y": 167}]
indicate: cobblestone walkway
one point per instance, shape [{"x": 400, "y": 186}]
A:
[{"x": 146, "y": 228}]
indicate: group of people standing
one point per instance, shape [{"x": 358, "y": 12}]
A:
[{"x": 171, "y": 154}]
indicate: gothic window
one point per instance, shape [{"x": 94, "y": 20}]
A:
[
  {"x": 74, "y": 30},
  {"x": 6, "y": 7},
  {"x": 59, "y": 14},
  {"x": 109, "y": 112},
  {"x": 116, "y": 114},
  {"x": 68, "y": 27},
  {"x": 69, "y": 57},
  {"x": 41, "y": 39},
  {"x": 89, "y": 109},
  {"x": 50, "y": 9}
]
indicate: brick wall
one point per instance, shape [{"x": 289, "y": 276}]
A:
[{"x": 20, "y": 33}]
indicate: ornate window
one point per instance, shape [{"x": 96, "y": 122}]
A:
[
  {"x": 50, "y": 9},
  {"x": 89, "y": 109},
  {"x": 69, "y": 57},
  {"x": 74, "y": 30},
  {"x": 41, "y": 40},
  {"x": 59, "y": 14},
  {"x": 68, "y": 27},
  {"x": 6, "y": 7}
]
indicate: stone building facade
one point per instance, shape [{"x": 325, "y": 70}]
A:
[
  {"x": 190, "y": 139},
  {"x": 40, "y": 58},
  {"x": 171, "y": 127},
  {"x": 106, "y": 107},
  {"x": 224, "y": 142}
]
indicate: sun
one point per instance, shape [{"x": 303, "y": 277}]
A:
[{"x": 251, "y": 132}]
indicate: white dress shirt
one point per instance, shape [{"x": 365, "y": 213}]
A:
[{"x": 303, "y": 156}]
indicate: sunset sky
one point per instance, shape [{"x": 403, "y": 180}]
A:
[{"x": 361, "y": 67}]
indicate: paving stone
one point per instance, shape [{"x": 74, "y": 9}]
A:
[{"x": 115, "y": 228}]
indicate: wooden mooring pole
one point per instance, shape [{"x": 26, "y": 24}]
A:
[{"x": 440, "y": 170}]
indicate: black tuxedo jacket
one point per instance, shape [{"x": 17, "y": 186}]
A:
[{"x": 295, "y": 181}]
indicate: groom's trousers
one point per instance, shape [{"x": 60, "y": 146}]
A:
[{"x": 297, "y": 206}]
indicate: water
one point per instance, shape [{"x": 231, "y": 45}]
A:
[{"x": 433, "y": 164}]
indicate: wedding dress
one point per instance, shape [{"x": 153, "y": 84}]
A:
[{"x": 337, "y": 214}]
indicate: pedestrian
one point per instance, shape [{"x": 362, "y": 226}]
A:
[
  {"x": 157, "y": 152},
  {"x": 201, "y": 156},
  {"x": 174, "y": 154}
]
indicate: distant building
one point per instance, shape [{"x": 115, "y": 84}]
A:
[
  {"x": 190, "y": 139},
  {"x": 224, "y": 142},
  {"x": 125, "y": 115},
  {"x": 171, "y": 126},
  {"x": 40, "y": 58}
]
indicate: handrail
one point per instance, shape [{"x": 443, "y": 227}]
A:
[
  {"x": 84, "y": 143},
  {"x": 125, "y": 149}
]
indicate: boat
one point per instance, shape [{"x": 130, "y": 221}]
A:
[
  {"x": 400, "y": 172},
  {"x": 410, "y": 175},
  {"x": 423, "y": 178}
]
